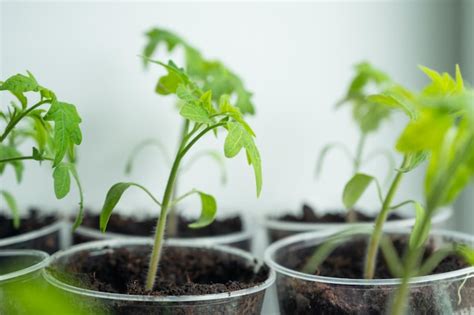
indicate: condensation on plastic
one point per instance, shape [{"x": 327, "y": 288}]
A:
[
  {"x": 444, "y": 293},
  {"x": 247, "y": 301},
  {"x": 278, "y": 229}
]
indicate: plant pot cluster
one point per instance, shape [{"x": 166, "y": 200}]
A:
[{"x": 346, "y": 262}]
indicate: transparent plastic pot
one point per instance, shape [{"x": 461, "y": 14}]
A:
[
  {"x": 242, "y": 239},
  {"x": 278, "y": 229},
  {"x": 19, "y": 268},
  {"x": 301, "y": 293},
  {"x": 246, "y": 301},
  {"x": 50, "y": 238}
]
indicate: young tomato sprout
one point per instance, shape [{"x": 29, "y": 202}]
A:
[
  {"x": 55, "y": 133},
  {"x": 445, "y": 131},
  {"x": 367, "y": 114},
  {"x": 210, "y": 75},
  {"x": 205, "y": 111},
  {"x": 441, "y": 131}
]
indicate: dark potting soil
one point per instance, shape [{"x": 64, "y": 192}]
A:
[
  {"x": 182, "y": 271},
  {"x": 144, "y": 227},
  {"x": 300, "y": 297},
  {"x": 309, "y": 215},
  {"x": 32, "y": 222}
]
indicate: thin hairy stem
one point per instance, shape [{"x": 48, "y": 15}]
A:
[
  {"x": 17, "y": 119},
  {"x": 379, "y": 223},
  {"x": 165, "y": 205}
]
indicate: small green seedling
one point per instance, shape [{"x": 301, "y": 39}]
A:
[
  {"x": 55, "y": 133},
  {"x": 210, "y": 75},
  {"x": 205, "y": 109},
  {"x": 440, "y": 131},
  {"x": 445, "y": 132},
  {"x": 367, "y": 114}
]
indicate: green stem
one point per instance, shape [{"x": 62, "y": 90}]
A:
[
  {"x": 161, "y": 224},
  {"x": 413, "y": 256},
  {"x": 351, "y": 214},
  {"x": 15, "y": 121},
  {"x": 379, "y": 223},
  {"x": 435, "y": 197},
  {"x": 19, "y": 158},
  {"x": 359, "y": 153},
  {"x": 173, "y": 224}
]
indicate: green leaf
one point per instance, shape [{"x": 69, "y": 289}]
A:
[
  {"x": 171, "y": 67},
  {"x": 466, "y": 252},
  {"x": 157, "y": 36},
  {"x": 237, "y": 138},
  {"x": 368, "y": 115},
  {"x": 66, "y": 128},
  {"x": 208, "y": 211},
  {"x": 19, "y": 84},
  {"x": 425, "y": 133},
  {"x": 396, "y": 97},
  {"x": 225, "y": 107},
  {"x": 355, "y": 188},
  {"x": 234, "y": 141},
  {"x": 168, "y": 84},
  {"x": 211, "y": 74},
  {"x": 419, "y": 235},
  {"x": 37, "y": 156},
  {"x": 442, "y": 84},
  {"x": 62, "y": 180},
  {"x": 195, "y": 112},
  {"x": 413, "y": 160},
  {"x": 111, "y": 199},
  {"x": 8, "y": 152},
  {"x": 206, "y": 102},
  {"x": 42, "y": 129},
  {"x": 10, "y": 200}
]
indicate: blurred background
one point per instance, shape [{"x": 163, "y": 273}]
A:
[{"x": 297, "y": 58}]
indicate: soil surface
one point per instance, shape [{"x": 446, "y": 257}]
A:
[
  {"x": 299, "y": 297},
  {"x": 182, "y": 271},
  {"x": 30, "y": 223},
  {"x": 144, "y": 227},
  {"x": 309, "y": 215}
]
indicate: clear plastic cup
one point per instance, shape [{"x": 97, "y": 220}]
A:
[
  {"x": 50, "y": 239},
  {"x": 302, "y": 293},
  {"x": 247, "y": 301},
  {"x": 242, "y": 239},
  {"x": 18, "y": 268},
  {"x": 278, "y": 229}
]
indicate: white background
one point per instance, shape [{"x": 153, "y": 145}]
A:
[{"x": 296, "y": 58}]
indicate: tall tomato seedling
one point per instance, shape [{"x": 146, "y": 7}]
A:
[
  {"x": 367, "y": 114},
  {"x": 445, "y": 130},
  {"x": 55, "y": 132},
  {"x": 205, "y": 110},
  {"x": 440, "y": 130},
  {"x": 210, "y": 75}
]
